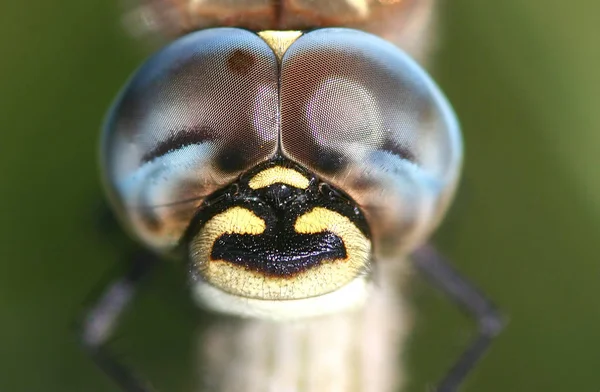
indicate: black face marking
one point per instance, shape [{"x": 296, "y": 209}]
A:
[
  {"x": 179, "y": 139},
  {"x": 278, "y": 193},
  {"x": 279, "y": 251}
]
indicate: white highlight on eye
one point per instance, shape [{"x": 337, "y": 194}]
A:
[
  {"x": 265, "y": 98},
  {"x": 155, "y": 188},
  {"x": 344, "y": 116},
  {"x": 154, "y": 183}
]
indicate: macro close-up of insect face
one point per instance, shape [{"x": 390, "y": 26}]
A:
[
  {"x": 270, "y": 173},
  {"x": 299, "y": 196},
  {"x": 289, "y": 169}
]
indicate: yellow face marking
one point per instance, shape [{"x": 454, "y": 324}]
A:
[
  {"x": 325, "y": 278},
  {"x": 279, "y": 41},
  {"x": 362, "y": 6},
  {"x": 328, "y": 276},
  {"x": 236, "y": 220},
  {"x": 278, "y": 174},
  {"x": 320, "y": 219}
]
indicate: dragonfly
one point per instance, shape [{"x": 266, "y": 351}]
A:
[{"x": 296, "y": 157}]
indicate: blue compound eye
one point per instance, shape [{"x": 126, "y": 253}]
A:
[
  {"x": 190, "y": 120},
  {"x": 364, "y": 116}
]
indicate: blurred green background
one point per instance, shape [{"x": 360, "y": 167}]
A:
[{"x": 523, "y": 76}]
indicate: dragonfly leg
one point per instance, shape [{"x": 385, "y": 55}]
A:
[
  {"x": 489, "y": 321},
  {"x": 99, "y": 322}
]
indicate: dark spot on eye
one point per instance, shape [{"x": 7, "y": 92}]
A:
[
  {"x": 399, "y": 150},
  {"x": 151, "y": 221},
  {"x": 240, "y": 62},
  {"x": 179, "y": 139},
  {"x": 330, "y": 161},
  {"x": 231, "y": 159}
]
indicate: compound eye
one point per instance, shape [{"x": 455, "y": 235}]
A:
[
  {"x": 360, "y": 113},
  {"x": 347, "y": 96},
  {"x": 191, "y": 119}
]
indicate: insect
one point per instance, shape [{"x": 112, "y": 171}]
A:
[{"x": 288, "y": 161}]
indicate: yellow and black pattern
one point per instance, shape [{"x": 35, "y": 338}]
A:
[
  {"x": 280, "y": 233},
  {"x": 278, "y": 174}
]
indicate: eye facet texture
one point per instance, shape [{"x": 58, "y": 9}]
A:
[
  {"x": 194, "y": 117},
  {"x": 364, "y": 116},
  {"x": 346, "y": 105}
]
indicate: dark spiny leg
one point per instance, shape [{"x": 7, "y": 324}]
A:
[
  {"x": 101, "y": 319},
  {"x": 439, "y": 271}
]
